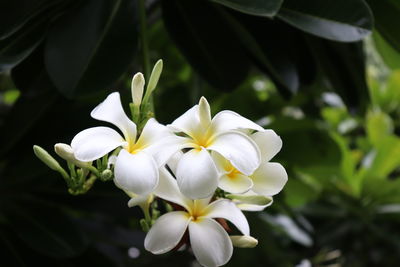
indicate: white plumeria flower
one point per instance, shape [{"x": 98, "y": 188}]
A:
[
  {"x": 210, "y": 242},
  {"x": 267, "y": 180},
  {"x": 196, "y": 172},
  {"x": 136, "y": 166}
]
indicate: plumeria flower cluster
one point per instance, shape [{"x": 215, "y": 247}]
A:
[{"x": 206, "y": 170}]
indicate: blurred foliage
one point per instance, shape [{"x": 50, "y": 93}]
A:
[{"x": 301, "y": 67}]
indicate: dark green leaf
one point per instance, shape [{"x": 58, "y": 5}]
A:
[
  {"x": 300, "y": 137},
  {"x": 45, "y": 229},
  {"x": 387, "y": 21},
  {"x": 17, "y": 47},
  {"x": 15, "y": 14},
  {"x": 38, "y": 95},
  {"x": 207, "y": 44},
  {"x": 274, "y": 53},
  {"x": 253, "y": 7},
  {"x": 389, "y": 54},
  {"x": 89, "y": 48},
  {"x": 344, "y": 66},
  {"x": 281, "y": 69},
  {"x": 339, "y": 20},
  {"x": 11, "y": 256}
]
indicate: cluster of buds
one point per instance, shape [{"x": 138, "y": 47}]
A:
[{"x": 206, "y": 170}]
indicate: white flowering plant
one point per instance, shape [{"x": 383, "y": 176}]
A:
[{"x": 204, "y": 171}]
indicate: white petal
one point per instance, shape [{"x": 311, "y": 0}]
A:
[
  {"x": 152, "y": 133},
  {"x": 167, "y": 189},
  {"x": 251, "y": 201},
  {"x": 162, "y": 151},
  {"x": 110, "y": 110},
  {"x": 94, "y": 143},
  {"x": 223, "y": 165},
  {"x": 239, "y": 149},
  {"x": 210, "y": 243},
  {"x": 268, "y": 142},
  {"x": 137, "y": 173},
  {"x": 252, "y": 207},
  {"x": 269, "y": 179},
  {"x": 196, "y": 174},
  {"x": 188, "y": 122},
  {"x": 226, "y": 209},
  {"x": 166, "y": 233},
  {"x": 174, "y": 160},
  {"x": 204, "y": 112},
  {"x": 228, "y": 120},
  {"x": 237, "y": 184}
]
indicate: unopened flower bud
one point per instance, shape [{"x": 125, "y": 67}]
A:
[
  {"x": 46, "y": 158},
  {"x": 106, "y": 174},
  {"x": 65, "y": 151},
  {"x": 243, "y": 241},
  {"x": 137, "y": 88},
  {"x": 154, "y": 77}
]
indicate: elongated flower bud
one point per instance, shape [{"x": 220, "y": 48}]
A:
[
  {"x": 137, "y": 88},
  {"x": 155, "y": 76},
  {"x": 46, "y": 158},
  {"x": 65, "y": 151},
  {"x": 243, "y": 241}
]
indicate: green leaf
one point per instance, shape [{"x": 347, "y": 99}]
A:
[
  {"x": 379, "y": 125},
  {"x": 12, "y": 257},
  {"x": 298, "y": 194},
  {"x": 392, "y": 92},
  {"x": 206, "y": 43},
  {"x": 386, "y": 159},
  {"x": 386, "y": 13},
  {"x": 269, "y": 52},
  {"x": 37, "y": 97},
  {"x": 45, "y": 228},
  {"x": 253, "y": 7},
  {"x": 300, "y": 137},
  {"x": 344, "y": 66},
  {"x": 382, "y": 191},
  {"x": 89, "y": 48},
  {"x": 17, "y": 47},
  {"x": 338, "y": 20},
  {"x": 17, "y": 13},
  {"x": 347, "y": 163},
  {"x": 390, "y": 55}
]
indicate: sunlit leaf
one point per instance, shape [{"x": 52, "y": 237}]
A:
[
  {"x": 339, "y": 20},
  {"x": 253, "y": 7}
]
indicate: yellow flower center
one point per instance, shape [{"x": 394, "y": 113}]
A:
[
  {"x": 134, "y": 148},
  {"x": 233, "y": 172},
  {"x": 202, "y": 139},
  {"x": 197, "y": 211}
]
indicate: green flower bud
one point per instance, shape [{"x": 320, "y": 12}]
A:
[
  {"x": 106, "y": 175},
  {"x": 46, "y": 158},
  {"x": 155, "y": 76}
]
